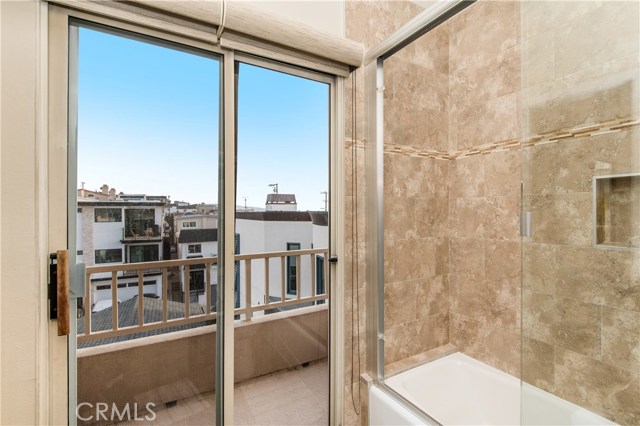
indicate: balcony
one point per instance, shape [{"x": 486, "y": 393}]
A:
[
  {"x": 141, "y": 234},
  {"x": 162, "y": 351}
]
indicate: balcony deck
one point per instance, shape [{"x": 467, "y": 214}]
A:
[
  {"x": 153, "y": 350},
  {"x": 298, "y": 396}
]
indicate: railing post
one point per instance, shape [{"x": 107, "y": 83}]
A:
[
  {"x": 247, "y": 283},
  {"x": 165, "y": 292},
  {"x": 207, "y": 286},
  {"x": 284, "y": 279},
  {"x": 87, "y": 304},
  {"x": 313, "y": 274},
  {"x": 140, "y": 298},
  {"x": 114, "y": 300},
  {"x": 266, "y": 281},
  {"x": 187, "y": 291},
  {"x": 298, "y": 270}
]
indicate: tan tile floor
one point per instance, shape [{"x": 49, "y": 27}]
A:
[{"x": 292, "y": 397}]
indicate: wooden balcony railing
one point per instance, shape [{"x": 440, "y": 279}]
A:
[{"x": 244, "y": 262}]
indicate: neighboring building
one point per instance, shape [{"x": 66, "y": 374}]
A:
[
  {"x": 193, "y": 221},
  {"x": 260, "y": 232},
  {"x": 182, "y": 207},
  {"x": 117, "y": 229},
  {"x": 273, "y": 231},
  {"x": 281, "y": 202},
  {"x": 197, "y": 243}
]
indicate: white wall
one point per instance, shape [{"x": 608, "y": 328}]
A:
[
  {"x": 320, "y": 236},
  {"x": 107, "y": 235},
  {"x": 202, "y": 222},
  {"x": 128, "y": 292},
  {"x": 209, "y": 249},
  {"x": 258, "y": 236},
  {"x": 30, "y": 362}
]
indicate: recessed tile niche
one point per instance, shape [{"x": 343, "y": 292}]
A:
[{"x": 617, "y": 211}]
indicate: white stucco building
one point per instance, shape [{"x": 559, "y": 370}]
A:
[
  {"x": 192, "y": 221},
  {"x": 193, "y": 244},
  {"x": 277, "y": 231},
  {"x": 117, "y": 229},
  {"x": 256, "y": 233}
]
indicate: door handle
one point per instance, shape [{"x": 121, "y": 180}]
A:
[{"x": 62, "y": 291}]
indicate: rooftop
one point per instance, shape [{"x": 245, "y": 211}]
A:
[
  {"x": 198, "y": 235},
  {"x": 281, "y": 199},
  {"x": 128, "y": 317},
  {"x": 318, "y": 218}
]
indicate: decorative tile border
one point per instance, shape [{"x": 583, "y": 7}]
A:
[{"x": 613, "y": 126}]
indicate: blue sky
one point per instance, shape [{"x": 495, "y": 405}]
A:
[{"x": 148, "y": 123}]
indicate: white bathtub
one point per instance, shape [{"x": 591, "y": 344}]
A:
[{"x": 459, "y": 390}]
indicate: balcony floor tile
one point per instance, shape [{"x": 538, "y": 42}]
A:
[{"x": 292, "y": 397}]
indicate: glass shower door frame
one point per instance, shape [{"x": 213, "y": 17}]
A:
[{"x": 374, "y": 179}]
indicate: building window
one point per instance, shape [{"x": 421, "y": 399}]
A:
[
  {"x": 195, "y": 248},
  {"x": 108, "y": 215},
  {"x": 140, "y": 222},
  {"x": 191, "y": 224},
  {"x": 292, "y": 271},
  {"x": 144, "y": 253},
  {"x": 109, "y": 256}
]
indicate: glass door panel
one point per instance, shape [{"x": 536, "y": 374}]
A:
[
  {"x": 146, "y": 227},
  {"x": 281, "y": 333},
  {"x": 580, "y": 168}
]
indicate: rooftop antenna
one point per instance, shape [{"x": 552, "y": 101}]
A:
[
  {"x": 325, "y": 193},
  {"x": 245, "y": 203},
  {"x": 275, "y": 187}
]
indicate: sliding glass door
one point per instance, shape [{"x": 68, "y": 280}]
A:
[
  {"x": 175, "y": 304},
  {"x": 145, "y": 198},
  {"x": 282, "y": 337}
]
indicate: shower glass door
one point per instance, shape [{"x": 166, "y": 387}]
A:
[
  {"x": 510, "y": 163},
  {"x": 581, "y": 212}
]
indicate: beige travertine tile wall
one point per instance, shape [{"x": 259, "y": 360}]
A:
[
  {"x": 416, "y": 260},
  {"x": 484, "y": 189},
  {"x": 452, "y": 253},
  {"x": 581, "y": 305}
]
